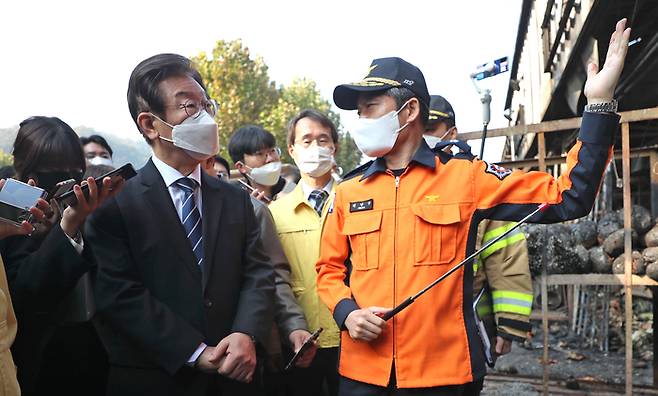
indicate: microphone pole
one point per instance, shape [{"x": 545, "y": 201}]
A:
[
  {"x": 485, "y": 98},
  {"x": 388, "y": 315}
]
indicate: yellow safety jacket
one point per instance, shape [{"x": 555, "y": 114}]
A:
[{"x": 299, "y": 228}]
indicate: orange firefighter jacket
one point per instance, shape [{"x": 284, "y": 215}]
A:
[{"x": 387, "y": 237}]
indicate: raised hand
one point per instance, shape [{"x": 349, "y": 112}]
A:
[{"x": 600, "y": 85}]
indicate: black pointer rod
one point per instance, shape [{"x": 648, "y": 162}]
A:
[{"x": 388, "y": 315}]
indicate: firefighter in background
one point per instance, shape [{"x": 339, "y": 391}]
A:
[
  {"x": 503, "y": 267},
  {"x": 402, "y": 220}
]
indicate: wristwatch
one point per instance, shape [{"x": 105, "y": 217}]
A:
[{"x": 603, "y": 107}]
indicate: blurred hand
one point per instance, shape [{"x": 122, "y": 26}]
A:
[
  {"x": 297, "y": 338},
  {"x": 600, "y": 86},
  {"x": 236, "y": 357},
  {"x": 260, "y": 195},
  {"x": 503, "y": 346},
  {"x": 25, "y": 228},
  {"x": 365, "y": 324}
]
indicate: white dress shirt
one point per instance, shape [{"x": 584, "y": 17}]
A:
[{"x": 170, "y": 176}]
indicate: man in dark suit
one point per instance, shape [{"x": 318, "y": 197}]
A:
[{"x": 183, "y": 289}]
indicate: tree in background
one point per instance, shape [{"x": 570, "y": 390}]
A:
[
  {"x": 240, "y": 84},
  {"x": 6, "y": 158},
  {"x": 246, "y": 95}
]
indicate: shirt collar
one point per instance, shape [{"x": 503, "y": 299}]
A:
[
  {"x": 308, "y": 189},
  {"x": 170, "y": 175},
  {"x": 423, "y": 156}
]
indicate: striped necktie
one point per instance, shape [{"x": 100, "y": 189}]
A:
[
  {"x": 191, "y": 217},
  {"x": 317, "y": 198}
]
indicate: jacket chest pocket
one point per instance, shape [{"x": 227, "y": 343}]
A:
[
  {"x": 364, "y": 233},
  {"x": 435, "y": 233}
]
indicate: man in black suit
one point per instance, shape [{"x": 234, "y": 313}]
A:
[{"x": 183, "y": 289}]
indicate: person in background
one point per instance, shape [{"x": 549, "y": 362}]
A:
[
  {"x": 53, "y": 353},
  {"x": 217, "y": 166},
  {"x": 97, "y": 150},
  {"x": 502, "y": 268},
  {"x": 255, "y": 155},
  {"x": 299, "y": 217}
]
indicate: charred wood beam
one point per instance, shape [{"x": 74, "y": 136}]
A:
[{"x": 558, "y": 36}]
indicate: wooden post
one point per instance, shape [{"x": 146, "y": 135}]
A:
[
  {"x": 541, "y": 157},
  {"x": 628, "y": 249},
  {"x": 653, "y": 174}
]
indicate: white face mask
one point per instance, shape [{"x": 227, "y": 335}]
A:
[
  {"x": 375, "y": 137},
  {"x": 433, "y": 140},
  {"x": 314, "y": 161},
  {"x": 197, "y": 136},
  {"x": 266, "y": 175},
  {"x": 100, "y": 161}
]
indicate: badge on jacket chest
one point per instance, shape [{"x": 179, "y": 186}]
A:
[
  {"x": 361, "y": 206},
  {"x": 497, "y": 171}
]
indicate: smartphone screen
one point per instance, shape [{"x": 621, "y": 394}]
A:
[
  {"x": 20, "y": 194},
  {"x": 16, "y": 198}
]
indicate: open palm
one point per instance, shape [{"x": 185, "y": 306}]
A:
[{"x": 600, "y": 85}]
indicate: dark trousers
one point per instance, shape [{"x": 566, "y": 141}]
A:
[
  {"x": 349, "y": 387},
  {"x": 320, "y": 378}
]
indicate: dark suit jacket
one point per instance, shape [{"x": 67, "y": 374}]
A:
[
  {"x": 41, "y": 271},
  {"x": 155, "y": 305}
]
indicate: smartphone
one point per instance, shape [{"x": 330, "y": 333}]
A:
[
  {"x": 307, "y": 344},
  {"x": 125, "y": 172},
  {"x": 16, "y": 199},
  {"x": 251, "y": 189},
  {"x": 61, "y": 188}
]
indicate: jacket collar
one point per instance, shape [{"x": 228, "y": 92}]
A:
[{"x": 423, "y": 156}]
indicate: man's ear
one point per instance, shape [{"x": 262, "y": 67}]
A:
[
  {"x": 290, "y": 150},
  {"x": 145, "y": 123},
  {"x": 240, "y": 167},
  {"x": 413, "y": 110}
]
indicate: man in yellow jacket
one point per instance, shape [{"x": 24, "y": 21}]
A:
[
  {"x": 503, "y": 267},
  {"x": 299, "y": 216}
]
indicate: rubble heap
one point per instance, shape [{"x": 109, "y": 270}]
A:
[{"x": 586, "y": 246}]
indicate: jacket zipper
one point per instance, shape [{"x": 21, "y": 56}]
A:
[{"x": 395, "y": 257}]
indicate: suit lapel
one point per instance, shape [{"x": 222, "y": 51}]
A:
[
  {"x": 212, "y": 209},
  {"x": 165, "y": 218}
]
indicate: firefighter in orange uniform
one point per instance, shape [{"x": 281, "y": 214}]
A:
[{"x": 401, "y": 221}]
